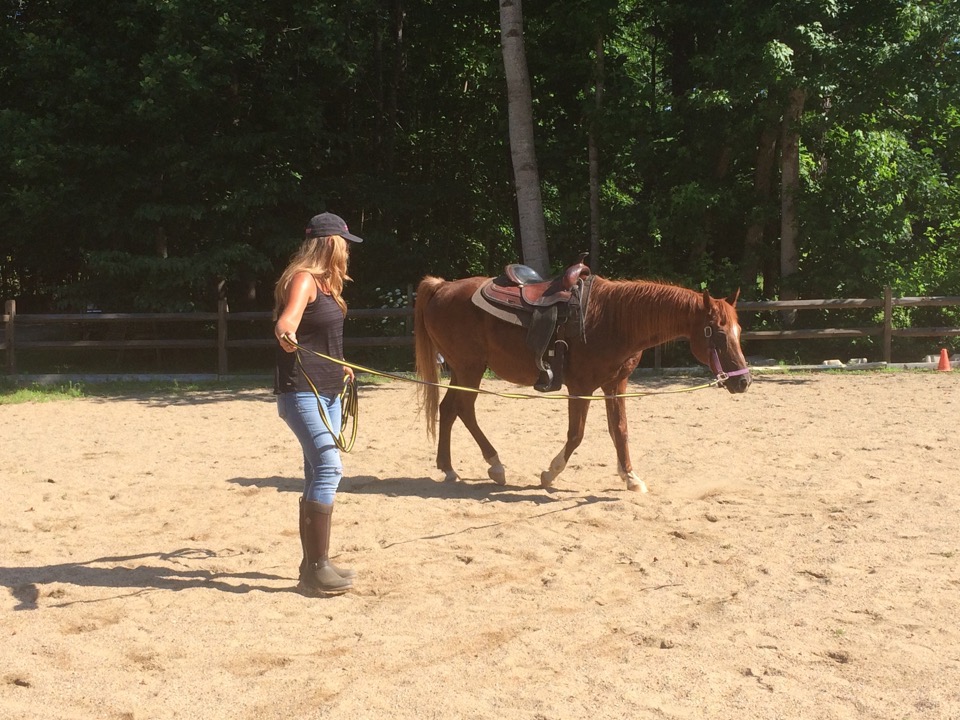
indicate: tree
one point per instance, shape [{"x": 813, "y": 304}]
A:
[
  {"x": 789, "y": 190},
  {"x": 593, "y": 151},
  {"x": 533, "y": 235},
  {"x": 151, "y": 153}
]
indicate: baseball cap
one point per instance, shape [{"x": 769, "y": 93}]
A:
[{"x": 326, "y": 224}]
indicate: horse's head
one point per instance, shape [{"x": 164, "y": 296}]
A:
[{"x": 716, "y": 342}]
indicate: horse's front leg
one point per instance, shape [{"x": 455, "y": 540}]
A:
[
  {"x": 617, "y": 426},
  {"x": 577, "y": 412}
]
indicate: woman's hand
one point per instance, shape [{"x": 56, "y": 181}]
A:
[
  {"x": 286, "y": 339},
  {"x": 348, "y": 372}
]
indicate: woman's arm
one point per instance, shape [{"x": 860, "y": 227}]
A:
[{"x": 303, "y": 289}]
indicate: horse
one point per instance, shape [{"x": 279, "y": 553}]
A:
[{"x": 622, "y": 319}]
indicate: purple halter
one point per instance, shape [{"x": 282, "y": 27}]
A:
[{"x": 715, "y": 365}]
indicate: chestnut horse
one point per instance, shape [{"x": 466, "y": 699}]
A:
[{"x": 623, "y": 318}]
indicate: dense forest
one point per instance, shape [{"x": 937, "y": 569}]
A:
[{"x": 158, "y": 154}]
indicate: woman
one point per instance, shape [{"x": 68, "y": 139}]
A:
[{"x": 310, "y": 310}]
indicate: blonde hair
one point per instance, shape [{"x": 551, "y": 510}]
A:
[{"x": 323, "y": 257}]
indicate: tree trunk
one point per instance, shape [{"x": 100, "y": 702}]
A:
[
  {"x": 789, "y": 188},
  {"x": 160, "y": 242},
  {"x": 762, "y": 185},
  {"x": 393, "y": 88},
  {"x": 705, "y": 240},
  {"x": 533, "y": 234},
  {"x": 593, "y": 152}
]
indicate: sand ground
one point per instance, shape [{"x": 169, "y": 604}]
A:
[{"x": 797, "y": 556}]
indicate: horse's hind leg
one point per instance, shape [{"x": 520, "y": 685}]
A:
[
  {"x": 448, "y": 415},
  {"x": 577, "y": 411},
  {"x": 468, "y": 414},
  {"x": 461, "y": 403}
]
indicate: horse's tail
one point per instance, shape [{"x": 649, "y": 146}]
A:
[{"x": 427, "y": 353}]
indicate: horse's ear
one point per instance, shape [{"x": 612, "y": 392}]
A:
[
  {"x": 706, "y": 298},
  {"x": 733, "y": 298}
]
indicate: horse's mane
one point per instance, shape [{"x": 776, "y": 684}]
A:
[{"x": 644, "y": 306}]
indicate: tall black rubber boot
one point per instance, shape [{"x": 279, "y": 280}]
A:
[
  {"x": 341, "y": 571},
  {"x": 319, "y": 578}
]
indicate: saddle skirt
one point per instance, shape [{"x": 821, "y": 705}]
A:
[{"x": 514, "y": 316}]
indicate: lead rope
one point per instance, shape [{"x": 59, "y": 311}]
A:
[
  {"x": 512, "y": 396},
  {"x": 349, "y": 407}
]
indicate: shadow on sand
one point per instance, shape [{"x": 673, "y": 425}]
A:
[{"x": 24, "y": 582}]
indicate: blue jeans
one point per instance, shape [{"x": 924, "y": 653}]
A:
[{"x": 322, "y": 468}]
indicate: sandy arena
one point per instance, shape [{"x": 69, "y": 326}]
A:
[{"x": 797, "y": 556}]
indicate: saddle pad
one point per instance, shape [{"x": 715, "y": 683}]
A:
[{"x": 514, "y": 318}]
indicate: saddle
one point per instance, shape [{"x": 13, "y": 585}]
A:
[{"x": 523, "y": 297}]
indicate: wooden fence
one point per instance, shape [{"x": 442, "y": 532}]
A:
[
  {"x": 885, "y": 329},
  {"x": 217, "y": 331},
  {"x": 222, "y": 343}
]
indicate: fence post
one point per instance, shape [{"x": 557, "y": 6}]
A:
[
  {"x": 887, "y": 322},
  {"x": 222, "y": 310},
  {"x": 408, "y": 320},
  {"x": 10, "y": 310}
]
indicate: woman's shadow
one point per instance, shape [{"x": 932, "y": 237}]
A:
[
  {"x": 24, "y": 582},
  {"x": 176, "y": 570}
]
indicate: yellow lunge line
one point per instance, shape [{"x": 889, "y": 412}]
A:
[
  {"x": 349, "y": 405},
  {"x": 510, "y": 395}
]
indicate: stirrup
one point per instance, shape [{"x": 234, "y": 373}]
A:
[{"x": 548, "y": 381}]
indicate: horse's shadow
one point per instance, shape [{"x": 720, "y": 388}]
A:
[
  {"x": 427, "y": 488},
  {"x": 467, "y": 489},
  {"x": 24, "y": 581},
  {"x": 423, "y": 487}
]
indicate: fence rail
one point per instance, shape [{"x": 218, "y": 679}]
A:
[
  {"x": 886, "y": 329},
  {"x": 221, "y": 342},
  {"x": 222, "y": 319}
]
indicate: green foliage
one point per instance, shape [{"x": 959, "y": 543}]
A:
[
  {"x": 115, "y": 279},
  {"x": 155, "y": 155},
  {"x": 854, "y": 246},
  {"x": 13, "y": 395}
]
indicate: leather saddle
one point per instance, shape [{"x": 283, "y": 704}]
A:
[
  {"x": 543, "y": 306},
  {"x": 521, "y": 287}
]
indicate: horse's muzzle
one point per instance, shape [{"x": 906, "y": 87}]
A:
[{"x": 738, "y": 384}]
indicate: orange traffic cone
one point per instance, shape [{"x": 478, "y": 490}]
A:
[{"x": 944, "y": 361}]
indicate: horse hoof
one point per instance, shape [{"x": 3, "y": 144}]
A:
[
  {"x": 633, "y": 480},
  {"x": 546, "y": 479},
  {"x": 450, "y": 476},
  {"x": 498, "y": 474}
]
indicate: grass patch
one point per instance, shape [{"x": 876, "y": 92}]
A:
[
  {"x": 13, "y": 393},
  {"x": 16, "y": 395}
]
